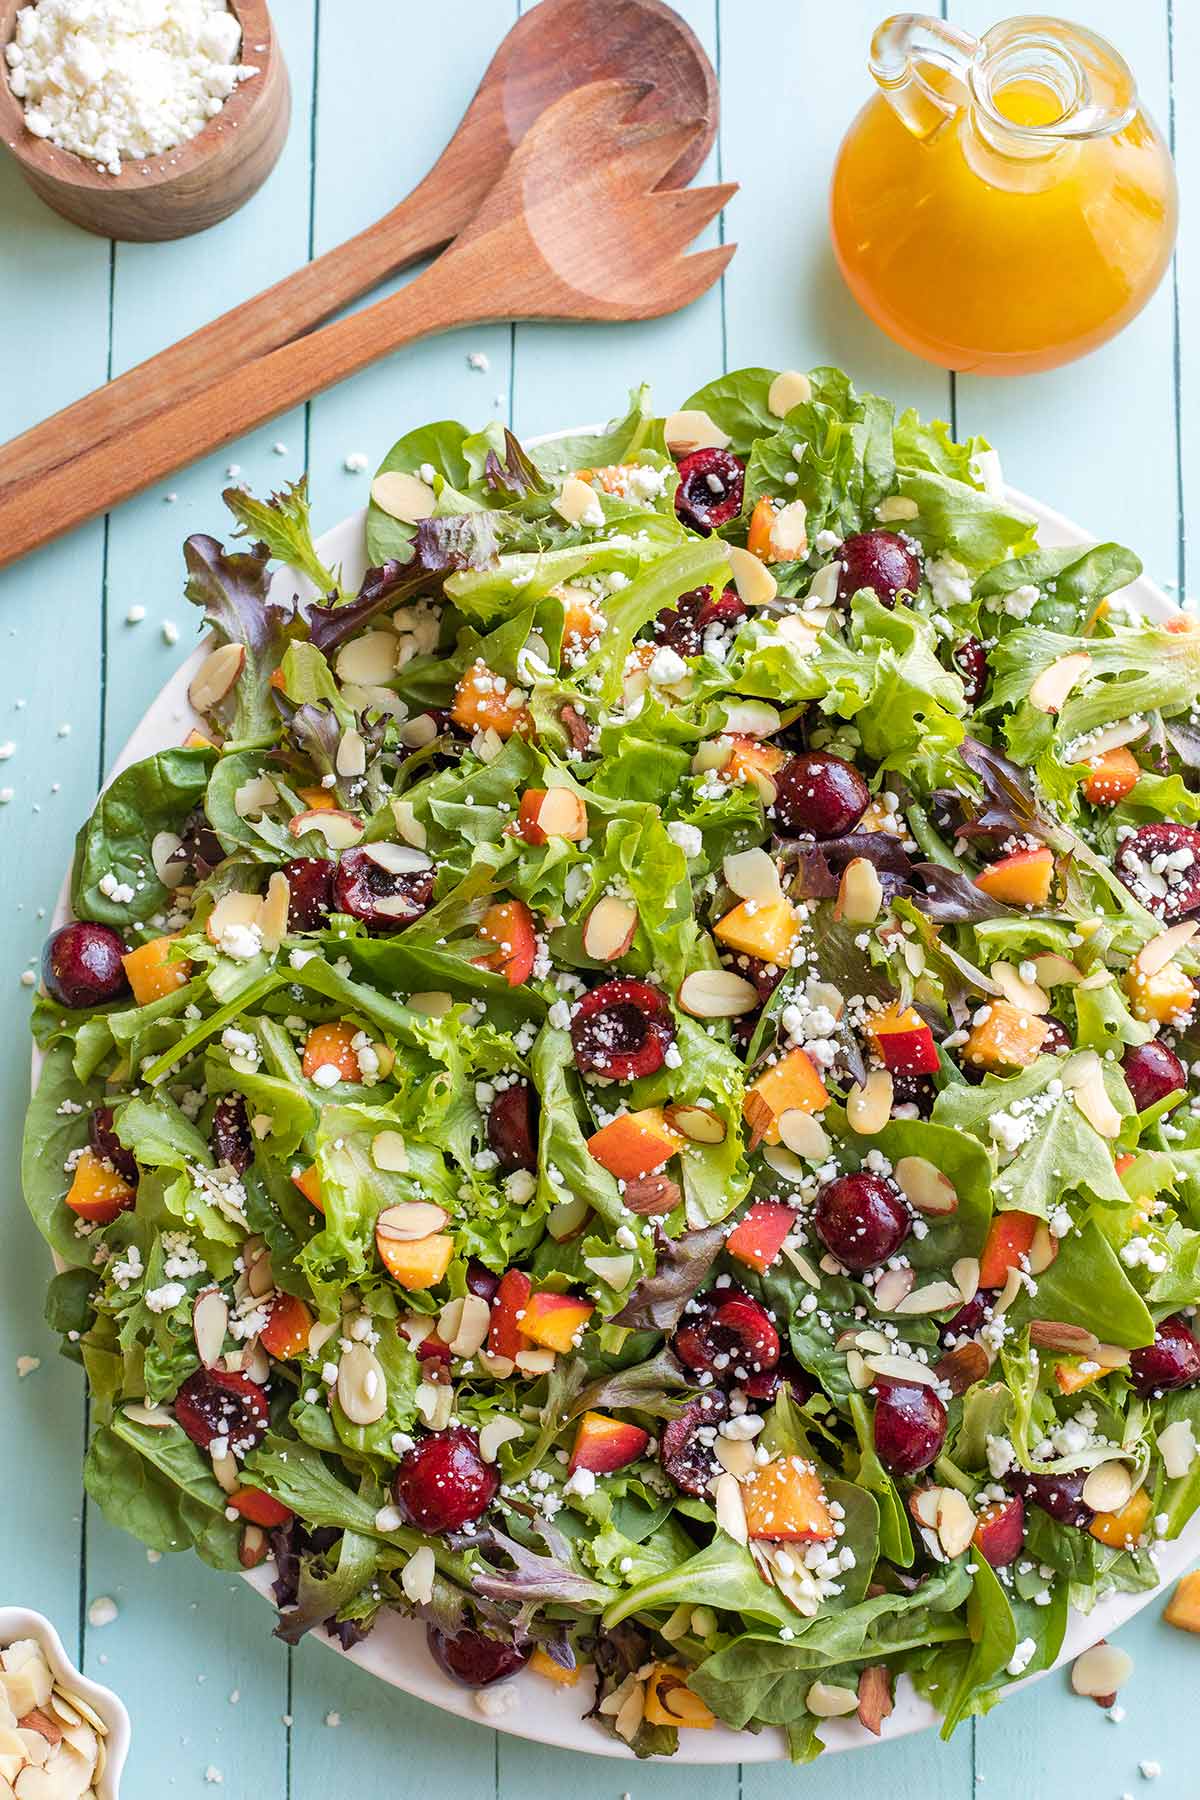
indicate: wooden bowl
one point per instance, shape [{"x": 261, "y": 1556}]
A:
[{"x": 184, "y": 190}]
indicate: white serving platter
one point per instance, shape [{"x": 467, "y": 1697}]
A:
[{"x": 395, "y": 1651}]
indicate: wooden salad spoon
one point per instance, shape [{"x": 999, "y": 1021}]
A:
[
  {"x": 574, "y": 229},
  {"x": 554, "y": 48}
]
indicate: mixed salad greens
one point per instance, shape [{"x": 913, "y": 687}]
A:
[{"x": 628, "y": 1095}]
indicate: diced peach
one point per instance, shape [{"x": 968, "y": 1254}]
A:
[
  {"x": 276, "y": 680},
  {"x": 670, "y": 1701},
  {"x": 1006, "y": 1039},
  {"x": 757, "y": 1237},
  {"x": 259, "y": 1507},
  {"x": 790, "y": 1085},
  {"x": 555, "y": 1320},
  {"x": 1181, "y": 622},
  {"x": 546, "y": 813},
  {"x": 317, "y": 799},
  {"x": 878, "y": 818},
  {"x": 1162, "y": 998},
  {"x": 286, "y": 1331},
  {"x": 151, "y": 973},
  {"x": 634, "y": 1144},
  {"x": 904, "y": 1040},
  {"x": 750, "y": 757},
  {"x": 1111, "y": 776},
  {"x": 97, "y": 1193},
  {"x": 541, "y": 1664},
  {"x": 603, "y": 1444},
  {"x": 509, "y": 925},
  {"x": 481, "y": 704},
  {"x": 766, "y": 929},
  {"x": 1022, "y": 879},
  {"x": 505, "y": 1337},
  {"x": 1183, "y": 1608},
  {"x": 309, "y": 1183},
  {"x": 583, "y": 623},
  {"x": 196, "y": 740},
  {"x": 758, "y": 536},
  {"x": 331, "y": 1046},
  {"x": 1116, "y": 1529},
  {"x": 784, "y": 1501},
  {"x": 418, "y": 1262},
  {"x": 1125, "y": 1160},
  {"x": 1010, "y": 1237},
  {"x": 1071, "y": 1376}
]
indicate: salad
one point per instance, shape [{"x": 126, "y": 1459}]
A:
[{"x": 628, "y": 1093}]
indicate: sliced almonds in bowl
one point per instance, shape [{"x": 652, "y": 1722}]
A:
[{"x": 52, "y": 1741}]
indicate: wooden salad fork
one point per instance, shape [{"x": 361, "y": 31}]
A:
[
  {"x": 554, "y": 48},
  {"x": 574, "y": 229}
]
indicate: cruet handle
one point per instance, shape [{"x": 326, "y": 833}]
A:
[{"x": 904, "y": 51}]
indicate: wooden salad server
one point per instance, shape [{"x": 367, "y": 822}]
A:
[
  {"x": 554, "y": 48},
  {"x": 574, "y": 229}
]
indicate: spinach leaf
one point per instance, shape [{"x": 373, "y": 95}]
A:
[{"x": 150, "y": 796}]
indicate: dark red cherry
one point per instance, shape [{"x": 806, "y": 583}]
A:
[
  {"x": 910, "y": 1426},
  {"x": 1171, "y": 1361},
  {"x": 767, "y": 1383},
  {"x": 1059, "y": 1495},
  {"x": 685, "y": 1445},
  {"x": 880, "y": 560},
  {"x": 512, "y": 1129},
  {"x": 1151, "y": 1073},
  {"x": 1145, "y": 862},
  {"x": 383, "y": 901},
  {"x": 860, "y": 1220},
  {"x": 682, "y": 626},
  {"x": 107, "y": 1145},
  {"x": 310, "y": 892},
  {"x": 912, "y": 1090},
  {"x": 81, "y": 965},
  {"x": 443, "y": 1483},
  {"x": 230, "y": 1136},
  {"x": 473, "y": 1659},
  {"x": 969, "y": 1318},
  {"x": 971, "y": 660},
  {"x": 709, "y": 495},
  {"x": 1056, "y": 1041},
  {"x": 726, "y": 1334},
  {"x": 765, "y": 976},
  {"x": 481, "y": 1282},
  {"x": 213, "y": 1403},
  {"x": 818, "y": 795},
  {"x": 1000, "y": 1531},
  {"x": 622, "y": 1029}
]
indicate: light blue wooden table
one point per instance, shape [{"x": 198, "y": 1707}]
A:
[{"x": 1109, "y": 442}]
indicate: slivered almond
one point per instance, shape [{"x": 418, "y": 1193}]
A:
[
  {"x": 751, "y": 718},
  {"x": 255, "y": 1362},
  {"x": 398, "y": 859},
  {"x": 1014, "y": 1287},
  {"x": 764, "y": 786},
  {"x": 577, "y": 501},
  {"x": 1101, "y": 1672},
  {"x": 935, "y": 1296},
  {"x": 1055, "y": 1334},
  {"x": 260, "y": 1276},
  {"x": 784, "y": 1162},
  {"x": 369, "y": 660},
  {"x": 801, "y": 1264},
  {"x": 273, "y": 910},
  {"x": 923, "y": 1505},
  {"x": 563, "y": 814},
  {"x": 860, "y": 893},
  {"x": 788, "y": 389},
  {"x": 610, "y": 929},
  {"x": 1026, "y": 995},
  {"x": 856, "y": 1368},
  {"x": 712, "y": 756},
  {"x": 735, "y": 1455},
  {"x": 389, "y": 1152},
  {"x": 691, "y": 430},
  {"x": 216, "y": 676},
  {"x": 902, "y": 1368},
  {"x": 754, "y": 582},
  {"x": 1108, "y": 1488},
  {"x": 231, "y": 910},
  {"x": 869, "y": 1106},
  {"x": 961, "y": 1368},
  {"x": 408, "y": 824},
  {"x": 163, "y": 846},
  {"x": 893, "y": 1286},
  {"x": 415, "y": 733},
  {"x": 1043, "y": 1249},
  {"x": 965, "y": 1274},
  {"x": 1054, "y": 684},
  {"x": 470, "y": 1324},
  {"x": 731, "y": 1514},
  {"x": 716, "y": 994},
  {"x": 226, "y": 1472},
  {"x": 804, "y": 1134},
  {"x": 433, "y": 1005},
  {"x": 143, "y": 1414},
  {"x": 699, "y": 1124},
  {"x": 1177, "y": 1446},
  {"x": 339, "y": 829},
  {"x": 896, "y": 508},
  {"x": 435, "y": 1403},
  {"x": 496, "y": 1432},
  {"x": 828, "y": 1700},
  {"x": 752, "y": 875},
  {"x": 1055, "y": 971},
  {"x": 955, "y": 1521},
  {"x": 361, "y": 1385},
  {"x": 822, "y": 593},
  {"x": 319, "y": 1334},
  {"x": 350, "y": 759},
  {"x": 789, "y": 532},
  {"x": 925, "y": 1187},
  {"x": 1084, "y": 1075},
  {"x": 404, "y": 496},
  {"x": 1155, "y": 955},
  {"x": 1111, "y": 1356},
  {"x": 409, "y": 1221},
  {"x": 535, "y": 1362}
]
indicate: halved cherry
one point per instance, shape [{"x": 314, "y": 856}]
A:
[
  {"x": 108, "y": 1147},
  {"x": 726, "y": 1334},
  {"x": 310, "y": 892},
  {"x": 685, "y": 1445},
  {"x": 1172, "y": 889},
  {"x": 473, "y": 1659},
  {"x": 215, "y": 1403},
  {"x": 711, "y": 485},
  {"x": 230, "y": 1136},
  {"x": 381, "y": 899},
  {"x": 512, "y": 1127},
  {"x": 622, "y": 1029},
  {"x": 443, "y": 1483}
]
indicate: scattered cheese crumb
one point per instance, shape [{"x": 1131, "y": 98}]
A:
[{"x": 102, "y": 1611}]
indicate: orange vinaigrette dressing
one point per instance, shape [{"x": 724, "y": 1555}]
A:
[{"x": 1002, "y": 205}]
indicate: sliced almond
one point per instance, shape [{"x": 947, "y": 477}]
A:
[
  {"x": 361, "y": 1385},
  {"x": 411, "y": 1220},
  {"x": 144, "y": 1414},
  {"x": 1177, "y": 1446},
  {"x": 405, "y": 497},
  {"x": 210, "y": 1321},
  {"x": 1101, "y": 1672},
  {"x": 369, "y": 660},
  {"x": 1056, "y": 1334},
  {"x": 630, "y": 1714},
  {"x": 801, "y": 1264},
  {"x": 498, "y": 1367},
  {"x": 415, "y": 733},
  {"x": 1026, "y": 995},
  {"x": 902, "y": 1368},
  {"x": 496, "y": 1432},
  {"x": 256, "y": 1364},
  {"x": 699, "y": 1124},
  {"x": 563, "y": 814},
  {"x": 433, "y": 1005},
  {"x": 925, "y": 1187},
  {"x": 693, "y": 430},
  {"x": 735, "y": 1455},
  {"x": 350, "y": 759},
  {"x": 860, "y": 1375},
  {"x": 788, "y": 389},
  {"x": 1043, "y": 1249},
  {"x": 577, "y": 502},
  {"x": 764, "y": 786},
  {"x": 231, "y": 910},
  {"x": 389, "y": 1153},
  {"x": 434, "y": 1402},
  {"x": 535, "y": 1362},
  {"x": 417, "y": 1576},
  {"x": 615, "y": 1271},
  {"x": 893, "y": 1286},
  {"x": 1054, "y": 684},
  {"x": 226, "y": 1472},
  {"x": 1014, "y": 1287},
  {"x": 716, "y": 994},
  {"x": 473, "y": 1317},
  {"x": 788, "y": 536},
  {"x": 649, "y": 1196},
  {"x": 610, "y": 929},
  {"x": 935, "y": 1296},
  {"x": 797, "y": 633},
  {"x": 754, "y": 582},
  {"x": 712, "y": 756},
  {"x": 1112, "y": 1356},
  {"x": 782, "y": 1161},
  {"x": 273, "y": 910},
  {"x": 860, "y": 893},
  {"x": 1108, "y": 1489},
  {"x": 1084, "y": 1075},
  {"x": 319, "y": 1334},
  {"x": 260, "y": 1276},
  {"x": 752, "y": 875},
  {"x": 163, "y": 848},
  {"x": 731, "y": 1513},
  {"x": 408, "y": 824},
  {"x": 961, "y": 1368},
  {"x": 1055, "y": 971},
  {"x": 1154, "y": 956},
  {"x": 804, "y": 1134},
  {"x": 215, "y": 676},
  {"x": 896, "y": 508},
  {"x": 955, "y": 1522},
  {"x": 965, "y": 1273},
  {"x": 869, "y": 1106},
  {"x": 828, "y": 1700},
  {"x": 340, "y": 829},
  {"x": 398, "y": 859}
]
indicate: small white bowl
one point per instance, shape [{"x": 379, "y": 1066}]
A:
[{"x": 18, "y": 1622}]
